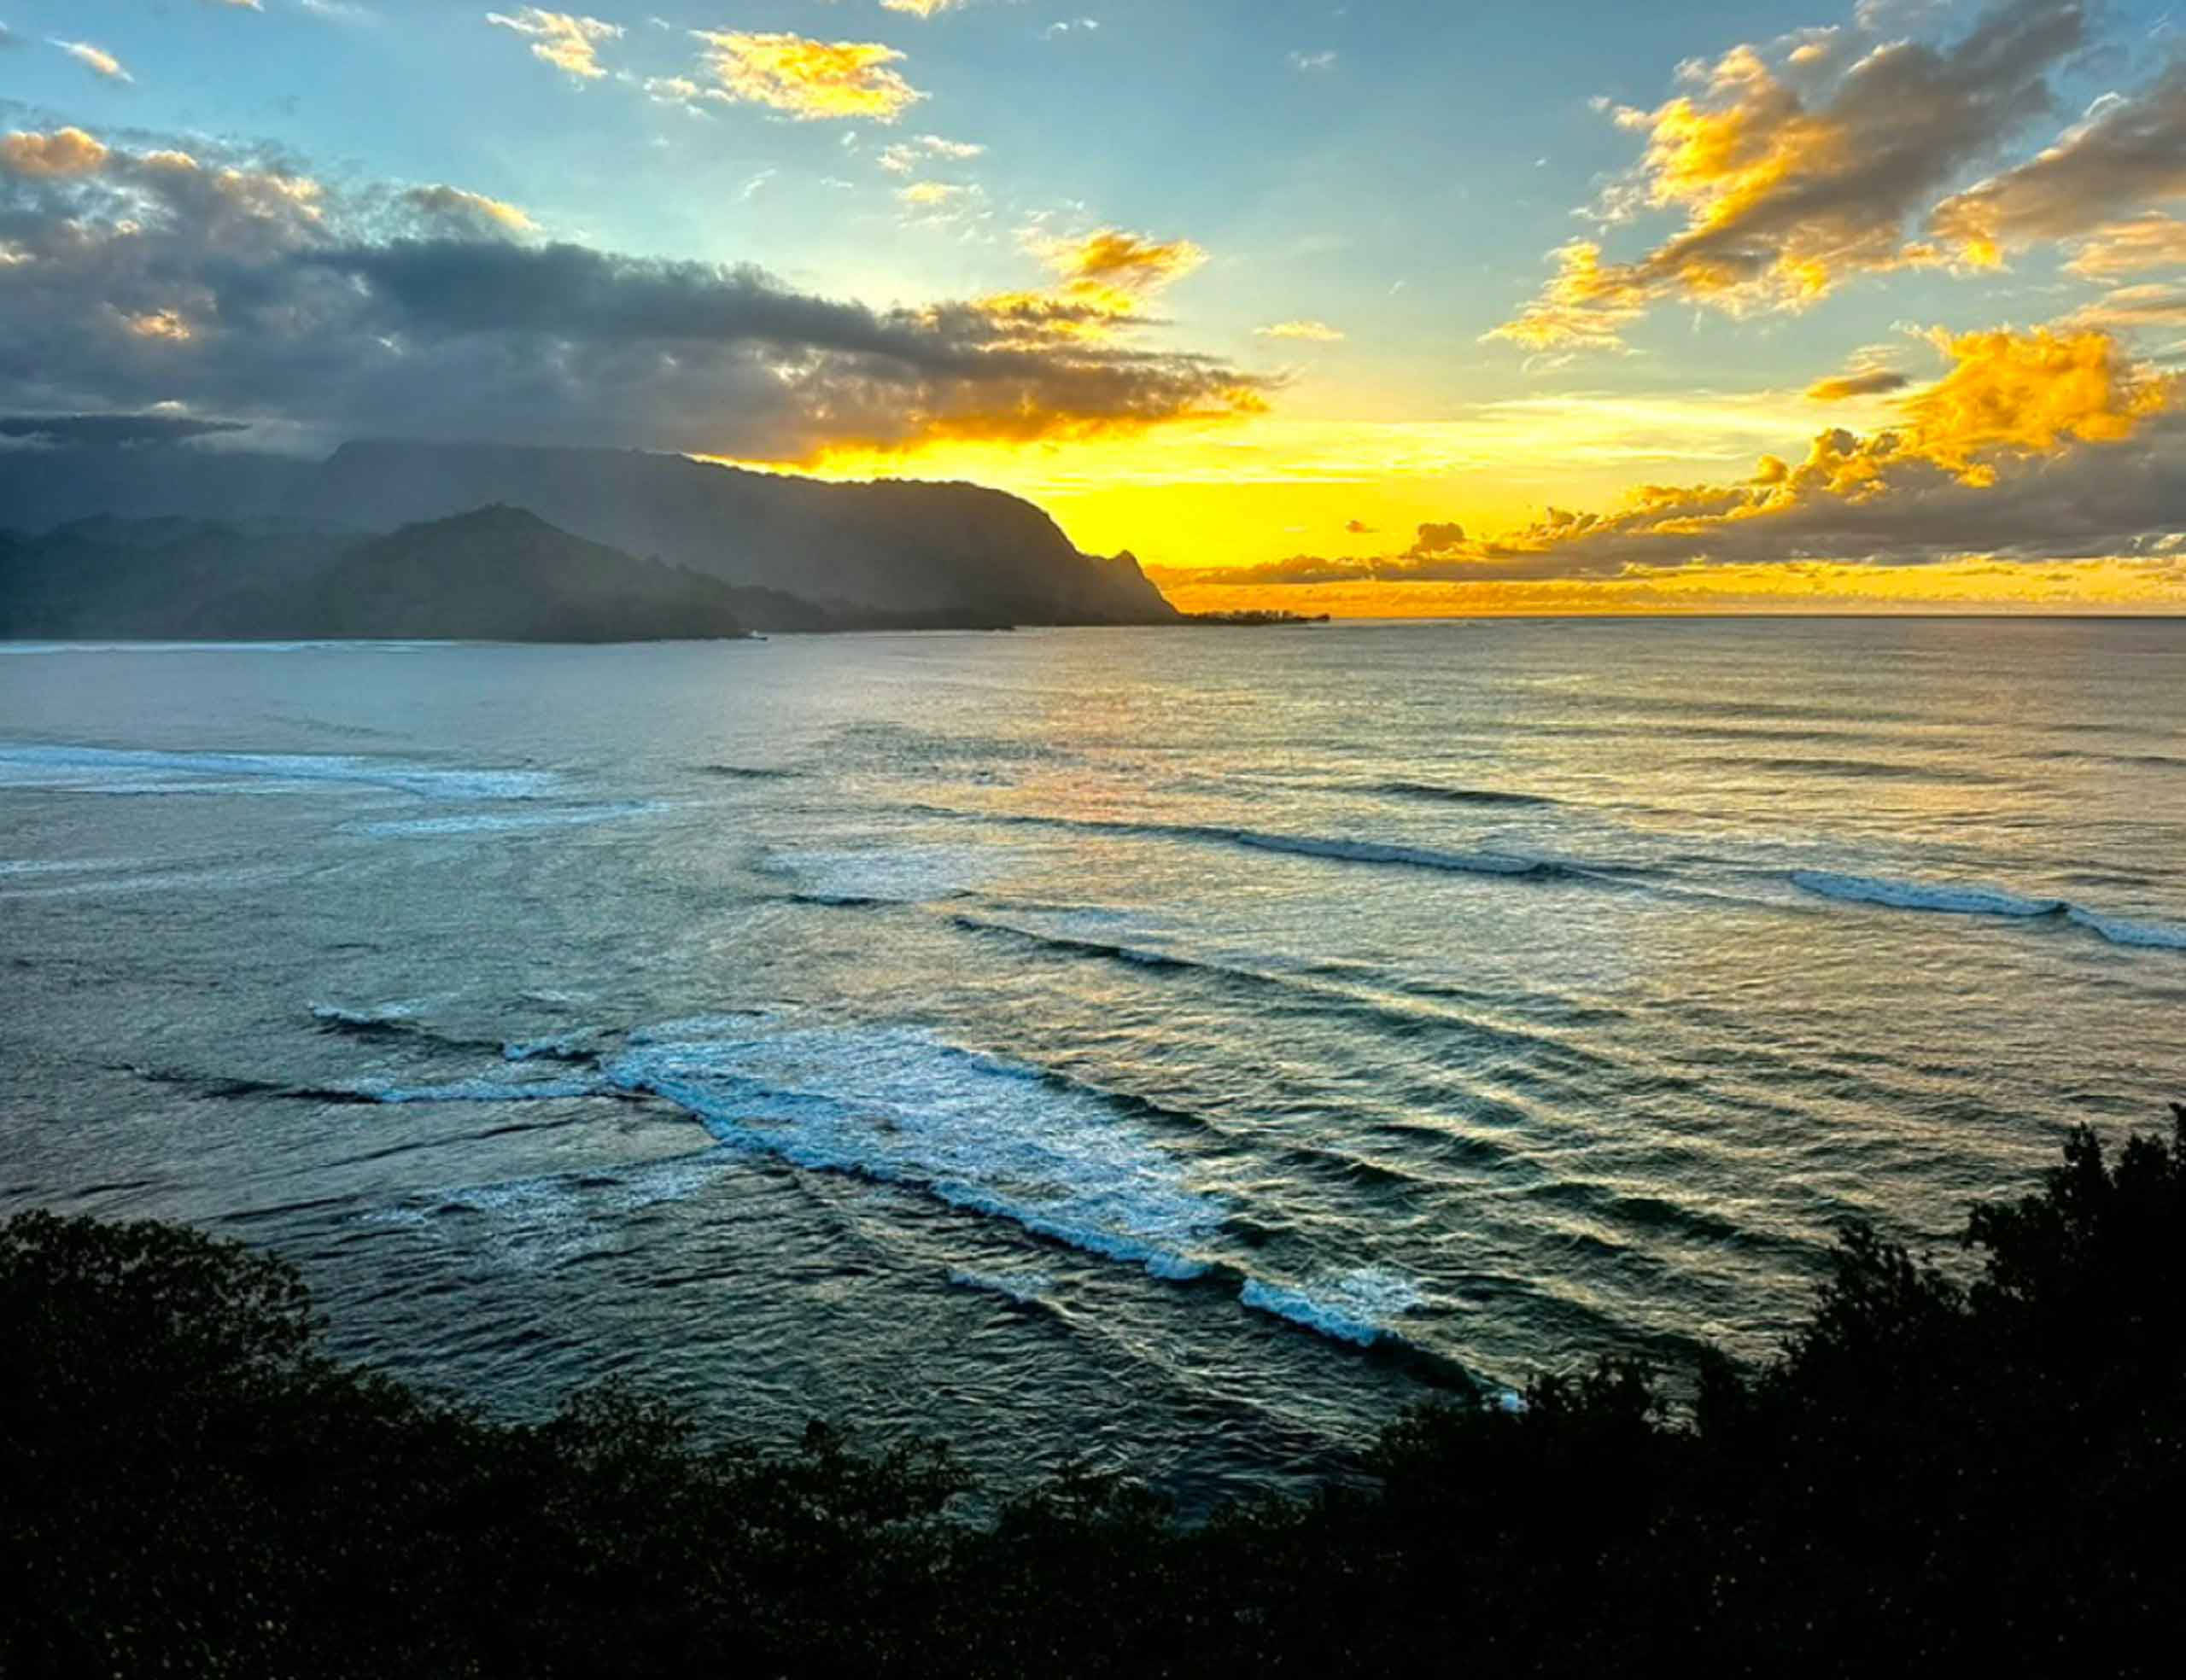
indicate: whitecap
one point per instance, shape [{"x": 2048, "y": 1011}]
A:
[
  {"x": 1024, "y": 1288},
  {"x": 1355, "y": 1306},
  {"x": 581, "y": 816},
  {"x": 72, "y": 766},
  {"x": 885, "y": 875},
  {"x": 899, "y": 1105},
  {"x": 1978, "y": 901}
]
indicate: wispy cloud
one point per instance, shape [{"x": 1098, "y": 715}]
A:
[
  {"x": 97, "y": 59},
  {"x": 569, "y": 42},
  {"x": 1312, "y": 332}
]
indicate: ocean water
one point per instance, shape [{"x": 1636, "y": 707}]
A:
[{"x": 1176, "y": 1048}]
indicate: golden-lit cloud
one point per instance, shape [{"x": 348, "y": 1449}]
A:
[
  {"x": 810, "y": 79},
  {"x": 354, "y": 307},
  {"x": 65, "y": 151},
  {"x": 2128, "y": 154},
  {"x": 468, "y": 209},
  {"x": 2135, "y": 308},
  {"x": 569, "y": 42},
  {"x": 1310, "y": 332},
  {"x": 2133, "y": 246},
  {"x": 1110, "y": 271},
  {"x": 924, "y": 8},
  {"x": 1798, "y": 166},
  {"x": 160, "y": 324},
  {"x": 2033, "y": 445},
  {"x": 97, "y": 59}
]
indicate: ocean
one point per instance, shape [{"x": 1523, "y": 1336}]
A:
[{"x": 1178, "y": 1049}]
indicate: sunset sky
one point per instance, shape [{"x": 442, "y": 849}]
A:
[{"x": 1387, "y": 307}]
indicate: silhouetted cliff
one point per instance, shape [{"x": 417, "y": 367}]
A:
[
  {"x": 494, "y": 574},
  {"x": 886, "y": 552}
]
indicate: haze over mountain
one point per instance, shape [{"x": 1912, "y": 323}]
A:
[
  {"x": 498, "y": 573},
  {"x": 856, "y": 554}
]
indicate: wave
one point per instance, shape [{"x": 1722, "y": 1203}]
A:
[
  {"x": 1026, "y": 1289},
  {"x": 1389, "y": 853},
  {"x": 1380, "y": 852},
  {"x": 1455, "y": 795},
  {"x": 748, "y": 773},
  {"x": 581, "y": 816},
  {"x": 70, "y": 766},
  {"x": 467, "y": 1091},
  {"x": 581, "y": 1046},
  {"x": 1355, "y": 1306},
  {"x": 1861, "y": 769},
  {"x": 384, "y": 1017},
  {"x": 1975, "y": 901},
  {"x": 898, "y": 1106},
  {"x": 893, "y": 875}
]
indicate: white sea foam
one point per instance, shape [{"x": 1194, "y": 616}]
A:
[
  {"x": 65, "y": 866},
  {"x": 1025, "y": 1288},
  {"x": 379, "y": 1015},
  {"x": 2153, "y": 936},
  {"x": 1354, "y": 1306},
  {"x": 885, "y": 875},
  {"x": 567, "y": 1046},
  {"x": 1964, "y": 901},
  {"x": 898, "y": 1104},
  {"x": 1957, "y": 900},
  {"x": 96, "y": 767},
  {"x": 582, "y": 816}
]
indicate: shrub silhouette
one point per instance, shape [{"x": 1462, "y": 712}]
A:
[{"x": 1984, "y": 1475}]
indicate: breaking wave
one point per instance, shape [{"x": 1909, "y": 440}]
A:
[
  {"x": 1355, "y": 1306},
  {"x": 62, "y": 766},
  {"x": 899, "y": 1105},
  {"x": 1946, "y": 899}
]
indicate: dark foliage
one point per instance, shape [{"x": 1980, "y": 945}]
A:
[{"x": 1933, "y": 1476}]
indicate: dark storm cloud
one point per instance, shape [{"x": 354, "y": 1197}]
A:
[{"x": 133, "y": 275}]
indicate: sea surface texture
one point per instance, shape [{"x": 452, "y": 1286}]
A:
[{"x": 1175, "y": 1048}]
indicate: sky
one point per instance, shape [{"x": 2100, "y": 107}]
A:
[{"x": 1383, "y": 308}]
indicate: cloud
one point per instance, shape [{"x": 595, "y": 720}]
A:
[
  {"x": 359, "y": 308},
  {"x": 97, "y": 59},
  {"x": 906, "y": 155},
  {"x": 1863, "y": 382},
  {"x": 1358, "y": 527},
  {"x": 2144, "y": 242},
  {"x": 65, "y": 151},
  {"x": 1313, "y": 332},
  {"x": 2134, "y": 308},
  {"x": 238, "y": 5},
  {"x": 1114, "y": 269},
  {"x": 1313, "y": 61},
  {"x": 810, "y": 79},
  {"x": 2034, "y": 445},
  {"x": 468, "y": 212},
  {"x": 567, "y": 41},
  {"x": 2127, "y": 153},
  {"x": 924, "y": 8},
  {"x": 110, "y": 431},
  {"x": 1792, "y": 176},
  {"x": 1071, "y": 27}
]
